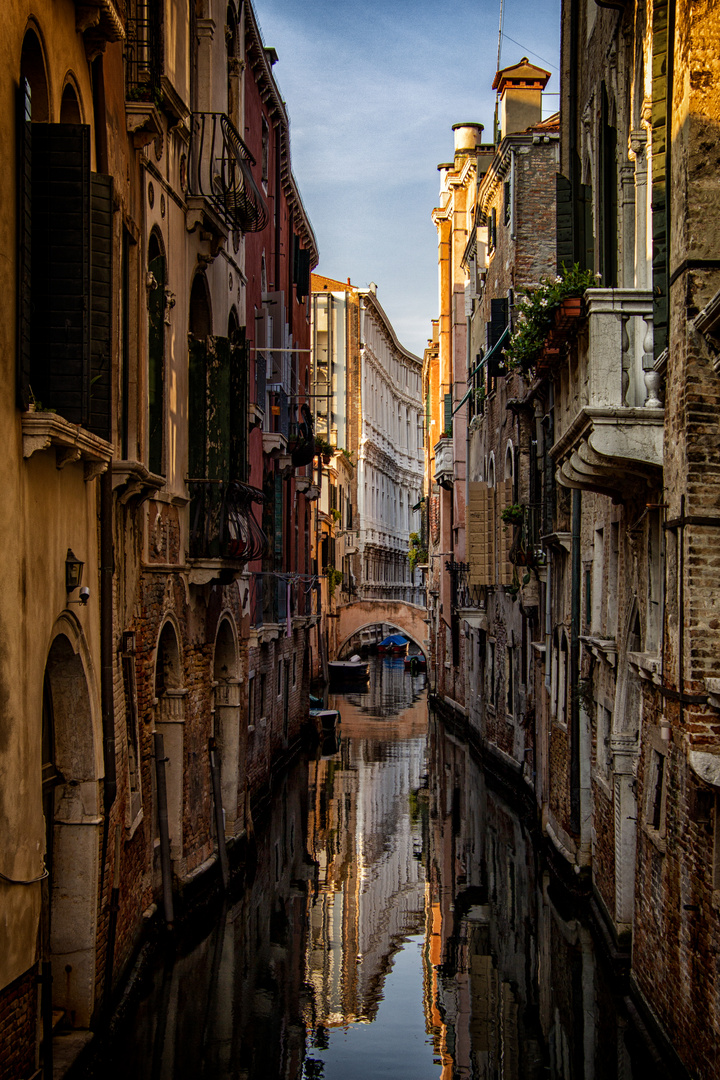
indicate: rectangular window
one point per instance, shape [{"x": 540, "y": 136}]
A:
[
  {"x": 612, "y": 580},
  {"x": 597, "y": 580},
  {"x": 656, "y": 792}
]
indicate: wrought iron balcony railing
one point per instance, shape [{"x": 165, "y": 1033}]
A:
[
  {"x": 143, "y": 51},
  {"x": 221, "y": 172},
  {"x": 222, "y": 523},
  {"x": 462, "y": 593},
  {"x": 270, "y": 594}
]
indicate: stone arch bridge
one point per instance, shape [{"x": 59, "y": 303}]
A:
[{"x": 408, "y": 618}]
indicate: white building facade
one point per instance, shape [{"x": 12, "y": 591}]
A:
[{"x": 390, "y": 460}]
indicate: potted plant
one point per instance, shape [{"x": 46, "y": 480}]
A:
[
  {"x": 558, "y": 298},
  {"x": 514, "y": 514}
]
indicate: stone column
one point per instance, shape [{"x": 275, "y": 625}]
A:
[
  {"x": 170, "y": 723},
  {"x": 227, "y": 733},
  {"x": 638, "y": 148}
]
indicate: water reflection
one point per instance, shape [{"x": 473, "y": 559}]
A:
[
  {"x": 517, "y": 989},
  {"x": 399, "y": 923},
  {"x": 364, "y": 833}
]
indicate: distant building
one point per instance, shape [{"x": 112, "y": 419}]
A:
[{"x": 366, "y": 390}]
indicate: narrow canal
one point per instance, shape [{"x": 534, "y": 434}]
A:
[{"x": 399, "y": 923}]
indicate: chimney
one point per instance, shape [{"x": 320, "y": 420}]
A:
[
  {"x": 467, "y": 137},
  {"x": 520, "y": 87}
]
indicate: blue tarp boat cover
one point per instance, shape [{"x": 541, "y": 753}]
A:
[{"x": 394, "y": 639}]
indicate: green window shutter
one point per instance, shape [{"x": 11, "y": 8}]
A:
[
  {"x": 156, "y": 366},
  {"x": 101, "y": 226},
  {"x": 447, "y": 413},
  {"x": 563, "y": 223},
  {"x": 60, "y": 333},
  {"x": 24, "y": 224}
]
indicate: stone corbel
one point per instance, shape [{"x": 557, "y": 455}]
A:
[{"x": 143, "y": 122}]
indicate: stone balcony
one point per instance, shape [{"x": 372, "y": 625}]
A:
[
  {"x": 444, "y": 469},
  {"x": 609, "y": 416}
]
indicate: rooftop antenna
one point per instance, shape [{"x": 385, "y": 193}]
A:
[{"x": 500, "y": 37}]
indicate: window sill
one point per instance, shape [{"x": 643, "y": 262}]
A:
[
  {"x": 656, "y": 837},
  {"x": 601, "y": 648},
  {"x": 46, "y": 430},
  {"x": 603, "y": 782}
]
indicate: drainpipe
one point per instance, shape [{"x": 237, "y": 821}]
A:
[
  {"x": 106, "y": 639},
  {"x": 575, "y": 665}
]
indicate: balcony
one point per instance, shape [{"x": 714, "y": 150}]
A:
[
  {"x": 444, "y": 470},
  {"x": 467, "y": 601},
  {"x": 609, "y": 416},
  {"x": 222, "y": 193},
  {"x": 224, "y": 533}
]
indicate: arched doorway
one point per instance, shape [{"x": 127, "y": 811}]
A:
[
  {"x": 227, "y": 723},
  {"x": 169, "y": 722},
  {"x": 70, "y": 774}
]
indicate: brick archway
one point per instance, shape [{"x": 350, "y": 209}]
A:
[{"x": 409, "y": 618}]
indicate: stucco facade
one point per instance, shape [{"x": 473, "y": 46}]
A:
[{"x": 157, "y": 332}]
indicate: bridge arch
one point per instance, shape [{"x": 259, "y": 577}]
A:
[{"x": 408, "y": 618}]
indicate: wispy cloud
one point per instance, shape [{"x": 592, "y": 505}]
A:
[{"x": 372, "y": 91}]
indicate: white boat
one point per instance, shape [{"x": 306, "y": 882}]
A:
[{"x": 353, "y": 670}]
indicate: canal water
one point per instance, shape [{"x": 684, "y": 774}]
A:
[{"x": 399, "y": 923}]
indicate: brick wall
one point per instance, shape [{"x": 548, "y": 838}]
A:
[{"x": 19, "y": 1004}]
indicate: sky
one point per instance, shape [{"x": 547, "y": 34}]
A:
[{"x": 373, "y": 88}]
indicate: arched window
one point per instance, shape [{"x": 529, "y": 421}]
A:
[
  {"x": 32, "y": 68},
  {"x": 200, "y": 323},
  {"x": 70, "y": 106}
]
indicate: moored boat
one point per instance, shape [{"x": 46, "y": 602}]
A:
[{"x": 394, "y": 645}]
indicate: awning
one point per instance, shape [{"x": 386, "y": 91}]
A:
[{"x": 497, "y": 347}]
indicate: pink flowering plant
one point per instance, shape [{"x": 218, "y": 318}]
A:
[{"x": 534, "y": 313}]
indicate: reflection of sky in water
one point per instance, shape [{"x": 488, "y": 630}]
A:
[
  {"x": 389, "y": 690},
  {"x": 395, "y": 1044}
]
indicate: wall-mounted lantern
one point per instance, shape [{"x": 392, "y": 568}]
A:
[{"x": 73, "y": 571}]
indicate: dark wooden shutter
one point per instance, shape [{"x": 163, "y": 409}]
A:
[
  {"x": 101, "y": 226},
  {"x": 24, "y": 220},
  {"x": 608, "y": 196},
  {"x": 498, "y": 320},
  {"x": 303, "y": 278},
  {"x": 60, "y": 336},
  {"x": 563, "y": 223}
]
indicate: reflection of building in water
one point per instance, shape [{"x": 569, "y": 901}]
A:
[
  {"x": 233, "y": 1005},
  {"x": 513, "y": 984},
  {"x": 366, "y": 841}
]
